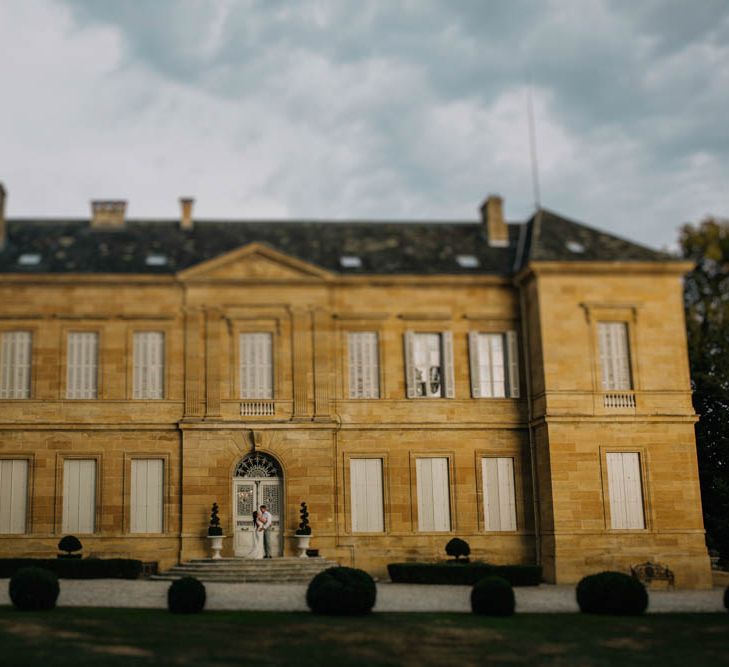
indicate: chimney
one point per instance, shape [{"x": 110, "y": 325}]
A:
[
  {"x": 108, "y": 213},
  {"x": 492, "y": 217},
  {"x": 186, "y": 212},
  {"x": 3, "y": 231}
]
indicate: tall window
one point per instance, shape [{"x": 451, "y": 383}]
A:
[
  {"x": 365, "y": 477},
  {"x": 79, "y": 495},
  {"x": 15, "y": 362},
  {"x": 614, "y": 356},
  {"x": 434, "y": 500},
  {"x": 625, "y": 490},
  {"x": 364, "y": 365},
  {"x": 13, "y": 495},
  {"x": 494, "y": 364},
  {"x": 82, "y": 365},
  {"x": 149, "y": 364},
  {"x": 146, "y": 497},
  {"x": 499, "y": 502},
  {"x": 429, "y": 364},
  {"x": 256, "y": 365}
]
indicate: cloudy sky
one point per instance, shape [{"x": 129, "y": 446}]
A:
[{"x": 368, "y": 109}]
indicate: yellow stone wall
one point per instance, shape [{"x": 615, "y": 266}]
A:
[{"x": 316, "y": 428}]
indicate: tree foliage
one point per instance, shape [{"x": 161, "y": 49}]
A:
[{"x": 706, "y": 299}]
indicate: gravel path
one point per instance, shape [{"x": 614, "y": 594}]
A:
[{"x": 390, "y": 597}]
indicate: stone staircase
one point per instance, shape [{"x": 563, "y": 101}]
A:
[{"x": 268, "y": 570}]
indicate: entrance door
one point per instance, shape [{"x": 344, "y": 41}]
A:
[{"x": 248, "y": 494}]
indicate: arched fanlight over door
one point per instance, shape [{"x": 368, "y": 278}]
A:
[{"x": 258, "y": 465}]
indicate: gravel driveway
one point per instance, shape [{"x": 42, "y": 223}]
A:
[{"x": 545, "y": 599}]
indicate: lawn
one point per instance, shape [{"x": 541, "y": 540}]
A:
[{"x": 71, "y": 636}]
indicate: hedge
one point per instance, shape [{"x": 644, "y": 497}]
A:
[
  {"x": 71, "y": 568},
  {"x": 463, "y": 574}
]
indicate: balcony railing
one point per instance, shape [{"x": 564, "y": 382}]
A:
[
  {"x": 258, "y": 408},
  {"x": 616, "y": 400}
]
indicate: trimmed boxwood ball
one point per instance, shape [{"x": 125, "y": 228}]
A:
[
  {"x": 186, "y": 596},
  {"x": 493, "y": 596},
  {"x": 341, "y": 591},
  {"x": 33, "y": 588},
  {"x": 611, "y": 593},
  {"x": 69, "y": 544},
  {"x": 458, "y": 548}
]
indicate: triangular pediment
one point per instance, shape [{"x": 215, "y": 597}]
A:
[{"x": 254, "y": 262}]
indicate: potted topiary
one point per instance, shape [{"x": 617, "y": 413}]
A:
[
  {"x": 303, "y": 532},
  {"x": 215, "y": 533},
  {"x": 69, "y": 544}
]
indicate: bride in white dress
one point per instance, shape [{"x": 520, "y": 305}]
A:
[{"x": 256, "y": 550}]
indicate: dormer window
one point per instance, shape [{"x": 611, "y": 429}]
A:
[
  {"x": 29, "y": 259},
  {"x": 350, "y": 262},
  {"x": 156, "y": 260},
  {"x": 575, "y": 247},
  {"x": 468, "y": 261}
]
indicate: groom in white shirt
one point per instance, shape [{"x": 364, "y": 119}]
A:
[{"x": 266, "y": 527}]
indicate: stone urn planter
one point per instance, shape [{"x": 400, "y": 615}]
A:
[
  {"x": 302, "y": 544},
  {"x": 216, "y": 546},
  {"x": 215, "y": 533},
  {"x": 303, "y": 533}
]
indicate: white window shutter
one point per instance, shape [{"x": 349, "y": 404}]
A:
[
  {"x": 433, "y": 494},
  {"x": 499, "y": 501},
  {"x": 256, "y": 365},
  {"x": 13, "y": 495},
  {"x": 147, "y": 497},
  {"x": 625, "y": 490},
  {"x": 475, "y": 364},
  {"x": 614, "y": 348},
  {"x": 366, "y": 496},
  {"x": 148, "y": 372},
  {"x": 364, "y": 365},
  {"x": 448, "y": 372},
  {"x": 15, "y": 364},
  {"x": 410, "y": 363},
  {"x": 354, "y": 365},
  {"x": 512, "y": 358},
  {"x": 79, "y": 495},
  {"x": 82, "y": 365}
]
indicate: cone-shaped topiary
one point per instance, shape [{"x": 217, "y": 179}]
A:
[
  {"x": 186, "y": 596},
  {"x": 611, "y": 593},
  {"x": 304, "y": 527},
  {"x": 69, "y": 544},
  {"x": 458, "y": 548},
  {"x": 341, "y": 591},
  {"x": 33, "y": 588},
  {"x": 214, "y": 529},
  {"x": 493, "y": 596}
]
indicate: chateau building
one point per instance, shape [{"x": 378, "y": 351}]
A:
[{"x": 523, "y": 386}]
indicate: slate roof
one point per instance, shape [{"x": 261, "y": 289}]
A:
[{"x": 425, "y": 248}]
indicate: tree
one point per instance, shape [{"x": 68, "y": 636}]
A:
[{"x": 706, "y": 298}]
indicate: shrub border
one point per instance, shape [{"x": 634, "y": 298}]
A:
[
  {"x": 462, "y": 574},
  {"x": 72, "y": 568}
]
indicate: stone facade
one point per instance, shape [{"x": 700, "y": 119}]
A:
[{"x": 558, "y": 432}]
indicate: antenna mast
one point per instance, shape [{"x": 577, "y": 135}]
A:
[{"x": 533, "y": 147}]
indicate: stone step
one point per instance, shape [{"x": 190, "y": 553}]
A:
[{"x": 275, "y": 570}]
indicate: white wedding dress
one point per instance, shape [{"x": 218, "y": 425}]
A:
[{"x": 256, "y": 551}]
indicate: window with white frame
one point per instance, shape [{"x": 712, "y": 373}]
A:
[
  {"x": 365, "y": 478},
  {"x": 15, "y": 364},
  {"x": 13, "y": 495},
  {"x": 434, "y": 499},
  {"x": 82, "y": 361},
  {"x": 256, "y": 365},
  {"x": 499, "y": 501},
  {"x": 625, "y": 490},
  {"x": 364, "y": 364},
  {"x": 146, "y": 496},
  {"x": 429, "y": 364},
  {"x": 149, "y": 365},
  {"x": 494, "y": 364},
  {"x": 79, "y": 495},
  {"x": 614, "y": 356}
]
